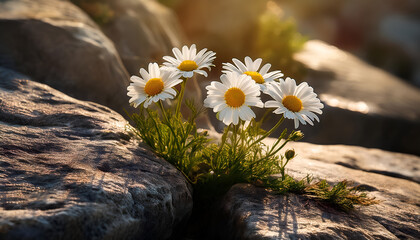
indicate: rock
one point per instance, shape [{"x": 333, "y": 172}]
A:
[
  {"x": 398, "y": 165},
  {"x": 364, "y": 105},
  {"x": 400, "y": 36},
  {"x": 373, "y": 30},
  {"x": 55, "y": 43},
  {"x": 143, "y": 31},
  {"x": 70, "y": 170},
  {"x": 256, "y": 213}
]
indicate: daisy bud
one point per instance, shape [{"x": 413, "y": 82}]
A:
[
  {"x": 296, "y": 136},
  {"x": 289, "y": 154}
]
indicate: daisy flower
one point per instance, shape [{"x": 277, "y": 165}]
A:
[
  {"x": 189, "y": 61},
  {"x": 294, "y": 102},
  {"x": 250, "y": 68},
  {"x": 152, "y": 86},
  {"x": 233, "y": 97}
]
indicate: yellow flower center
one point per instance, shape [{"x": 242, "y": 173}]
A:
[
  {"x": 256, "y": 76},
  {"x": 187, "y": 65},
  {"x": 234, "y": 97},
  {"x": 154, "y": 86},
  {"x": 292, "y": 103}
]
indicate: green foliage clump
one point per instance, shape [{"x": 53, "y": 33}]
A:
[
  {"x": 277, "y": 40},
  {"x": 287, "y": 184},
  {"x": 240, "y": 157},
  {"x": 98, "y": 10},
  {"x": 172, "y": 138},
  {"x": 339, "y": 195}
]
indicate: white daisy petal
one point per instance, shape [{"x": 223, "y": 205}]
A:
[
  {"x": 201, "y": 72},
  {"x": 299, "y": 103},
  {"x": 240, "y": 65},
  {"x": 193, "y": 52},
  {"x": 187, "y": 61},
  {"x": 274, "y": 90},
  {"x": 222, "y": 114},
  {"x": 279, "y": 111},
  {"x": 188, "y": 74},
  {"x": 249, "y": 113},
  {"x": 136, "y": 79},
  {"x": 233, "y": 97},
  {"x": 185, "y": 52},
  {"x": 177, "y": 53},
  {"x": 228, "y": 117},
  {"x": 171, "y": 91},
  {"x": 144, "y": 74},
  {"x": 249, "y": 63},
  {"x": 272, "y": 104},
  {"x": 307, "y": 119},
  {"x": 147, "y": 102},
  {"x": 200, "y": 55},
  {"x": 235, "y": 116},
  {"x": 250, "y": 68},
  {"x": 173, "y": 83},
  {"x": 171, "y": 60},
  {"x": 273, "y": 74},
  {"x": 296, "y": 123},
  {"x": 243, "y": 113},
  {"x": 228, "y": 67},
  {"x": 156, "y": 85},
  {"x": 290, "y": 86},
  {"x": 256, "y": 64},
  {"x": 265, "y": 68},
  {"x": 219, "y": 107}
]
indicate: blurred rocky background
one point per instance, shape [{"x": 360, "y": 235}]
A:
[{"x": 66, "y": 161}]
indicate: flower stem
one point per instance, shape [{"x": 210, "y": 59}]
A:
[
  {"x": 168, "y": 123},
  {"x": 163, "y": 111},
  {"x": 181, "y": 96},
  {"x": 216, "y": 158},
  {"x": 283, "y": 168},
  {"x": 269, "y": 132}
]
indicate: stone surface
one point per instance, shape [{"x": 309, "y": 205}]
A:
[
  {"x": 255, "y": 213},
  {"x": 143, "y": 31},
  {"x": 55, "y": 43},
  {"x": 364, "y": 105},
  {"x": 398, "y": 165},
  {"x": 382, "y": 32},
  {"x": 69, "y": 170}
]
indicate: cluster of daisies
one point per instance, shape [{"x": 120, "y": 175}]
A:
[{"x": 239, "y": 88}]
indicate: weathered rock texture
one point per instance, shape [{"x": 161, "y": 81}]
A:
[
  {"x": 69, "y": 170},
  {"x": 55, "y": 43},
  {"x": 398, "y": 165},
  {"x": 143, "y": 31},
  {"x": 364, "y": 105},
  {"x": 255, "y": 213}
]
